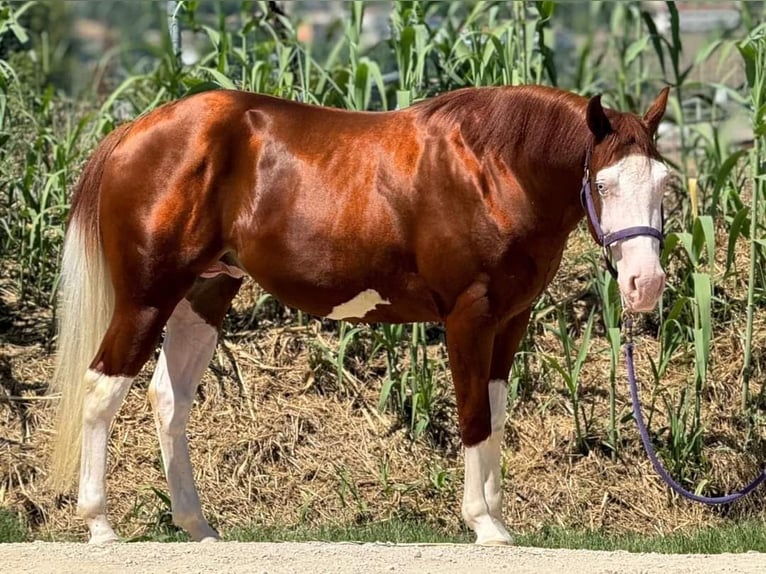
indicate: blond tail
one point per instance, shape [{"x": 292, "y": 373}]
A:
[{"x": 85, "y": 306}]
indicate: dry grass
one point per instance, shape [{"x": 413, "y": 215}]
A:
[{"x": 275, "y": 441}]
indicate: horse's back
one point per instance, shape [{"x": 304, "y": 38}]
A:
[
  {"x": 310, "y": 201},
  {"x": 319, "y": 205}
]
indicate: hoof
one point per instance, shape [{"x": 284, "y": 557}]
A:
[
  {"x": 203, "y": 532},
  {"x": 495, "y": 542},
  {"x": 100, "y": 530},
  {"x": 102, "y": 539},
  {"x": 492, "y": 532}
]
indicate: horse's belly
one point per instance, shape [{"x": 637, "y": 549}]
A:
[{"x": 396, "y": 299}]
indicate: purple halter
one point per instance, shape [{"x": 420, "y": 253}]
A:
[{"x": 605, "y": 240}]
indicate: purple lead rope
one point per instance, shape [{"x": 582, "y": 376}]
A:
[{"x": 653, "y": 457}]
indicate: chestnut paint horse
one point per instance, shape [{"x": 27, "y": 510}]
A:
[{"x": 456, "y": 209}]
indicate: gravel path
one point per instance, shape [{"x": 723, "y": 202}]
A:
[{"x": 316, "y": 557}]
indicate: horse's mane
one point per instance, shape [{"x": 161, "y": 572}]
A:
[
  {"x": 545, "y": 121},
  {"x": 539, "y": 115}
]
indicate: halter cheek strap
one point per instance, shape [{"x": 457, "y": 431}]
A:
[{"x": 608, "y": 239}]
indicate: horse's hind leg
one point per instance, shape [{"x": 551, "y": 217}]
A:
[
  {"x": 103, "y": 396},
  {"x": 127, "y": 344},
  {"x": 190, "y": 340}
]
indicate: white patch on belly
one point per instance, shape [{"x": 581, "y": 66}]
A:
[{"x": 359, "y": 306}]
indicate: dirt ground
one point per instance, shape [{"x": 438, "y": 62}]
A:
[{"x": 272, "y": 558}]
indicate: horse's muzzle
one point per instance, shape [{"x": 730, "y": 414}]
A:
[{"x": 642, "y": 291}]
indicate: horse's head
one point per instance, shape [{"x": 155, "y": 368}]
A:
[{"x": 627, "y": 179}]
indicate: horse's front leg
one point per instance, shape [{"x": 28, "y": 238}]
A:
[
  {"x": 481, "y": 411},
  {"x": 503, "y": 351}
]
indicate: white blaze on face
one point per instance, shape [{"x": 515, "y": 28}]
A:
[
  {"x": 631, "y": 195},
  {"x": 358, "y": 306}
]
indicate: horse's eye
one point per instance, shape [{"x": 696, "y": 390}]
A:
[{"x": 600, "y": 187}]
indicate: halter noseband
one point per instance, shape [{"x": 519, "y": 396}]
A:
[{"x": 605, "y": 240}]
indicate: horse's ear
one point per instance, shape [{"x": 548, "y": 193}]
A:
[
  {"x": 596, "y": 117},
  {"x": 655, "y": 112}
]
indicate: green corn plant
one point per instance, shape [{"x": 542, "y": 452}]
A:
[
  {"x": 699, "y": 248},
  {"x": 586, "y": 79},
  {"x": 348, "y": 493},
  {"x": 390, "y": 338},
  {"x": 629, "y": 48},
  {"x": 753, "y": 51},
  {"x": 362, "y": 72},
  {"x": 325, "y": 357},
  {"x": 703, "y": 293},
  {"x": 698, "y": 245},
  {"x": 545, "y": 55},
  {"x": 37, "y": 187},
  {"x": 9, "y": 24},
  {"x": 519, "y": 52},
  {"x": 673, "y": 48},
  {"x": 440, "y": 478},
  {"x": 570, "y": 372},
  {"x": 499, "y": 45},
  {"x": 410, "y": 392},
  {"x": 156, "y": 516},
  {"x": 479, "y": 52},
  {"x": 715, "y": 164},
  {"x": 421, "y": 381},
  {"x": 521, "y": 371},
  {"x": 737, "y": 228},
  {"x": 672, "y": 337},
  {"x": 262, "y": 53},
  {"x": 347, "y": 336},
  {"x": 608, "y": 293},
  {"x": 684, "y": 443},
  {"x": 725, "y": 196},
  {"x": 411, "y": 44}
]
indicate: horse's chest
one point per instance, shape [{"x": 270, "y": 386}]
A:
[{"x": 521, "y": 275}]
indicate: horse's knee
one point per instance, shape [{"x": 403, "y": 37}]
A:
[{"x": 475, "y": 427}]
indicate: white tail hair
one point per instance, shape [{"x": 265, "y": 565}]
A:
[
  {"x": 86, "y": 302},
  {"x": 85, "y": 307}
]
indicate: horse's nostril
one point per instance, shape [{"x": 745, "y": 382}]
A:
[{"x": 632, "y": 282}]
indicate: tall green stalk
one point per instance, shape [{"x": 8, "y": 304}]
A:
[
  {"x": 753, "y": 51},
  {"x": 610, "y": 309},
  {"x": 520, "y": 18},
  {"x": 570, "y": 368},
  {"x": 411, "y": 44}
]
